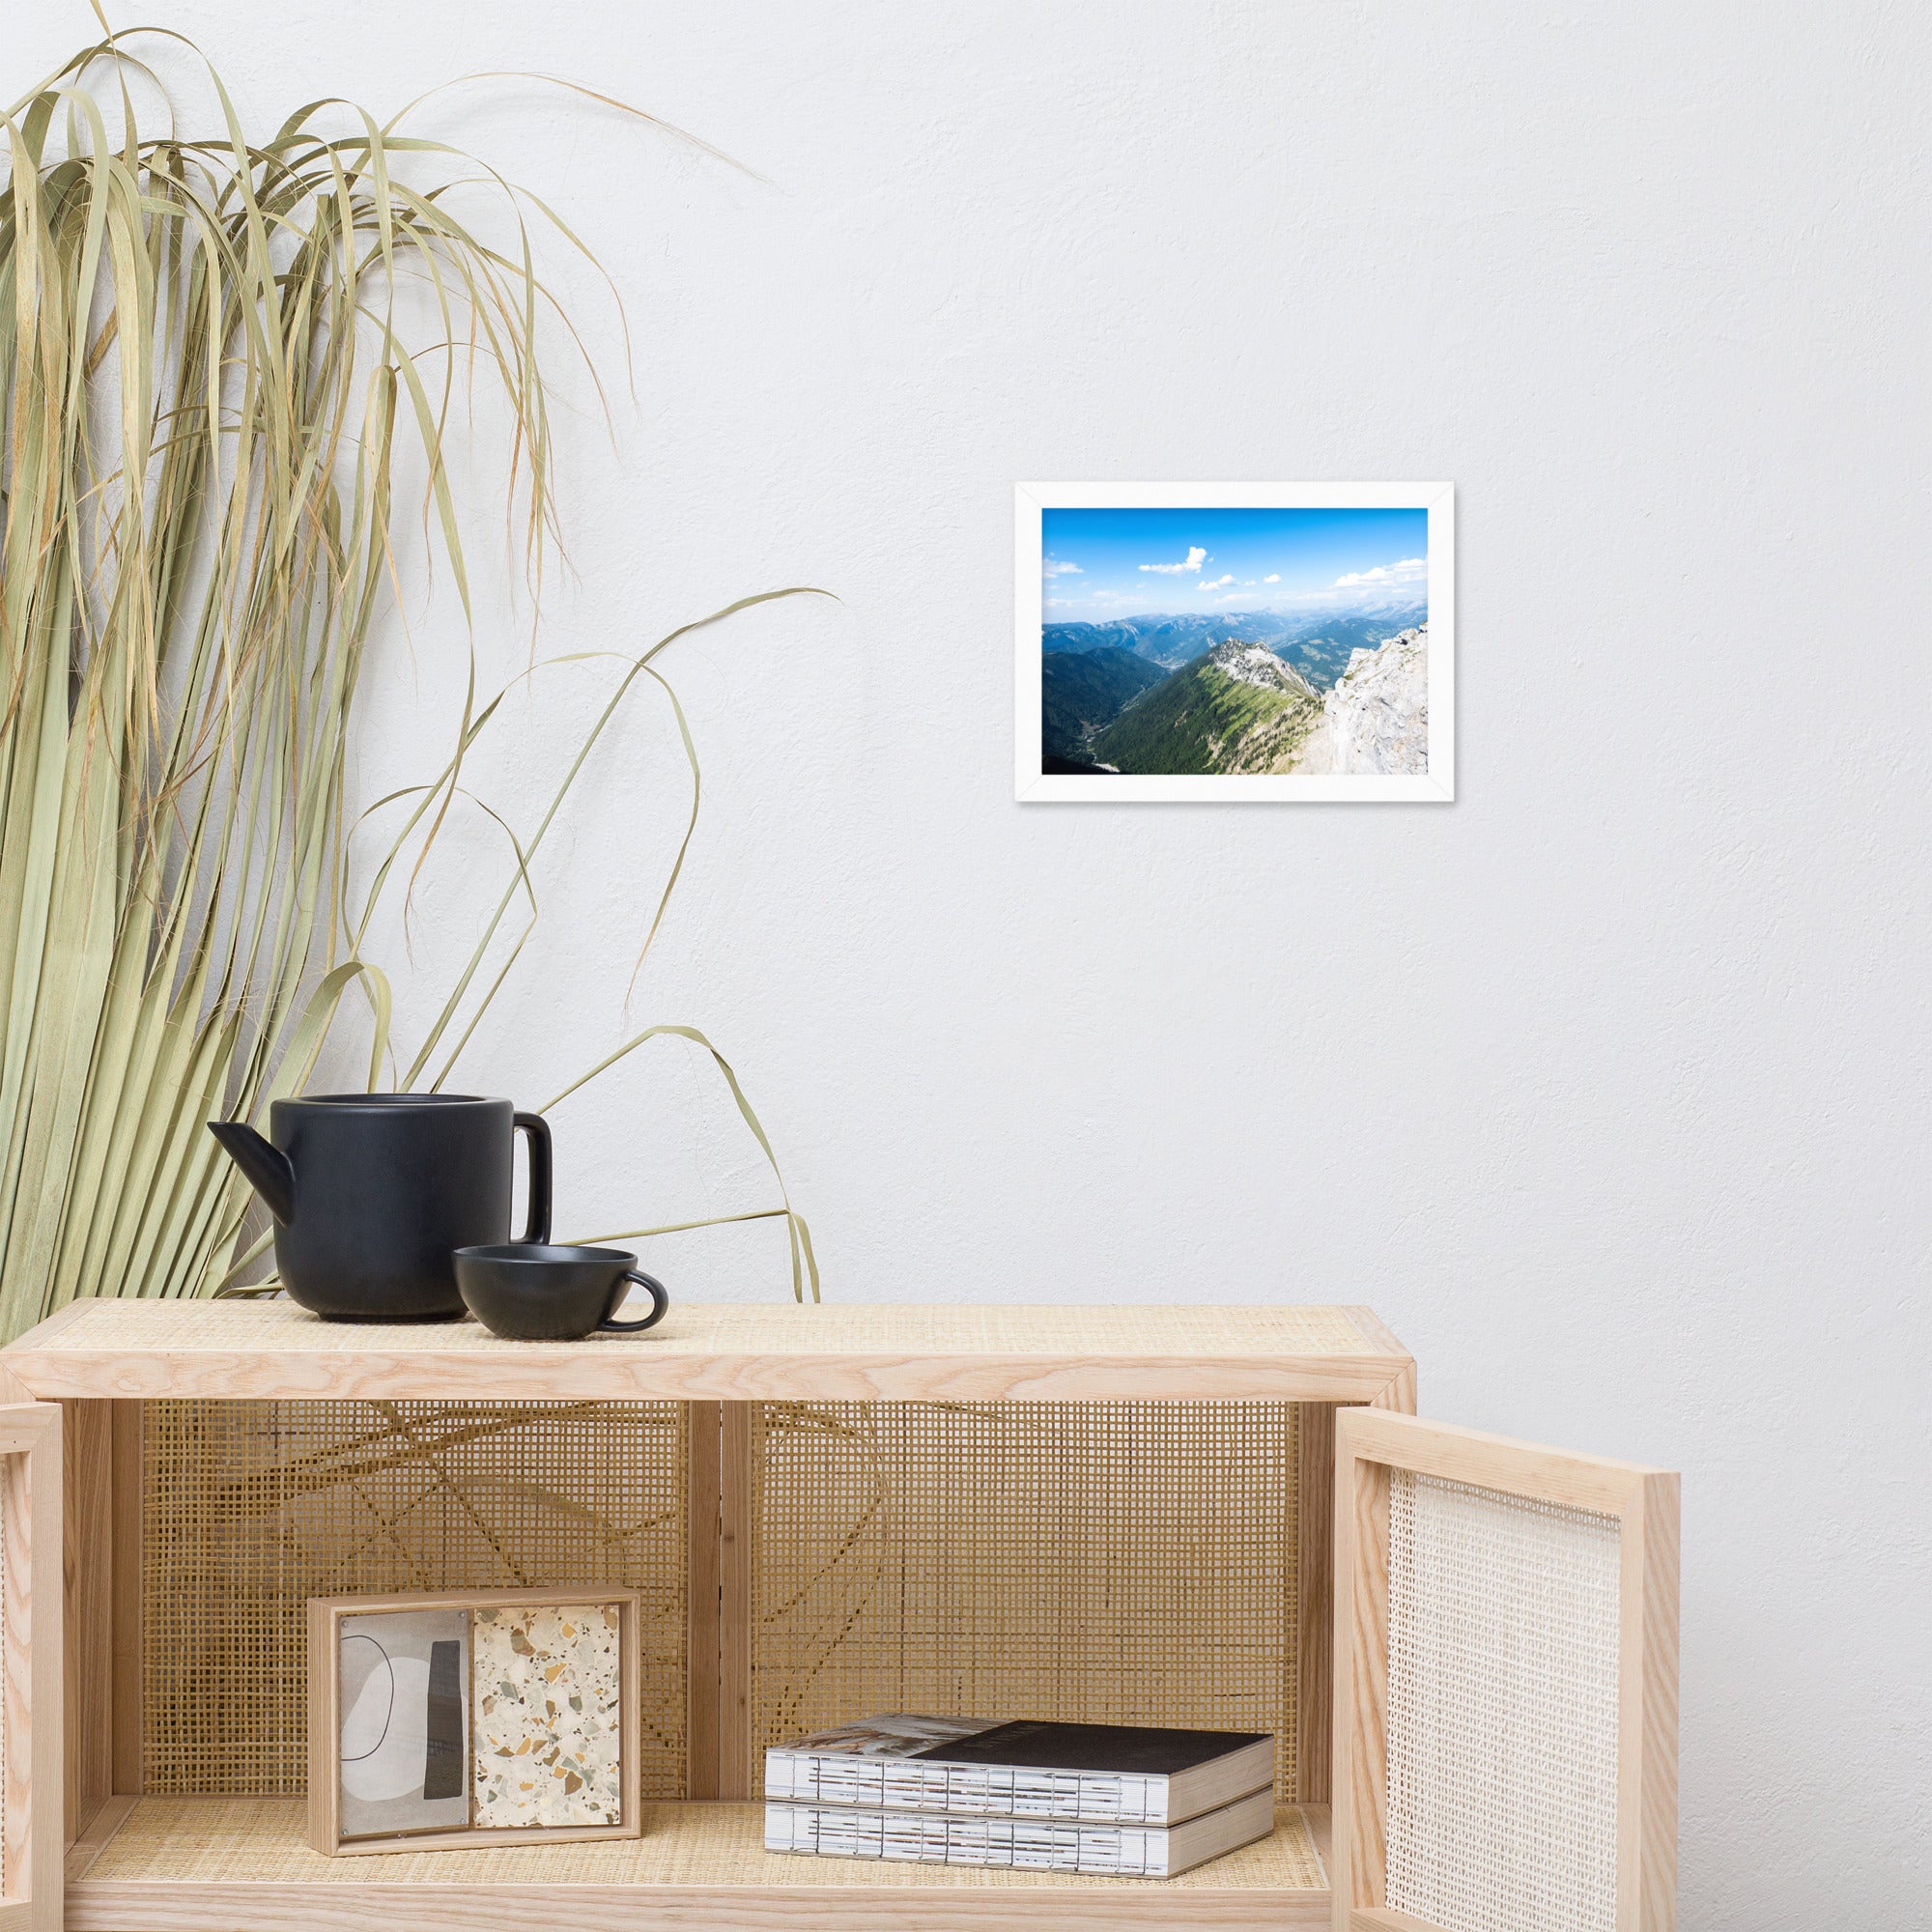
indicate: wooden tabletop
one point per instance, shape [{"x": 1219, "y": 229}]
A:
[{"x": 724, "y": 1353}]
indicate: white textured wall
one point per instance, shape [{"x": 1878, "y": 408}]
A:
[{"x": 1607, "y": 1084}]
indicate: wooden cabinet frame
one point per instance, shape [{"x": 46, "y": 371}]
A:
[
  {"x": 100, "y": 1361},
  {"x": 31, "y": 1733},
  {"x": 718, "y": 1581},
  {"x": 103, "y": 1360}
]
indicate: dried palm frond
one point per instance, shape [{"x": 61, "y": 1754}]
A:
[{"x": 209, "y": 386}]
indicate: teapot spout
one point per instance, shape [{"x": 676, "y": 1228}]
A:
[{"x": 265, "y": 1166}]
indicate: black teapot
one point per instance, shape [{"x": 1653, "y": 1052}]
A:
[{"x": 373, "y": 1192}]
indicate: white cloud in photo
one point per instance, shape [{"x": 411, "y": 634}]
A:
[
  {"x": 1212, "y": 583},
  {"x": 1061, "y": 602},
  {"x": 1196, "y": 558},
  {"x": 1407, "y": 570},
  {"x": 1274, "y": 577},
  {"x": 1053, "y": 567}
]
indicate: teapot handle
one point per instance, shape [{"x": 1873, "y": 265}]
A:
[{"x": 537, "y": 1229}]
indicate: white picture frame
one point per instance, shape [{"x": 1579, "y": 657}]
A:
[{"x": 1033, "y": 786}]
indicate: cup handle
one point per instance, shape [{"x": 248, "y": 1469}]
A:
[
  {"x": 660, "y": 1301},
  {"x": 538, "y": 1129}
]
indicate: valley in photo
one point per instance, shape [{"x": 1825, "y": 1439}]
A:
[{"x": 1222, "y": 641}]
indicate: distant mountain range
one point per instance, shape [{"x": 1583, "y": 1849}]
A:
[
  {"x": 1163, "y": 641},
  {"x": 1317, "y": 643}
]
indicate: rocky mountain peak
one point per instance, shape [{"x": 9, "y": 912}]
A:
[
  {"x": 1258, "y": 666},
  {"x": 1377, "y": 717}
]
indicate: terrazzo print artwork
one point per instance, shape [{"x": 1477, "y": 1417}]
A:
[{"x": 548, "y": 1726}]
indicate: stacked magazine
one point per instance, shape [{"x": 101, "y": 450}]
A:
[{"x": 1113, "y": 1800}]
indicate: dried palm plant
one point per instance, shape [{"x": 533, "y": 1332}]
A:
[{"x": 209, "y": 383}]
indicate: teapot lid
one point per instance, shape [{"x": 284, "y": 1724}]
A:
[{"x": 388, "y": 1101}]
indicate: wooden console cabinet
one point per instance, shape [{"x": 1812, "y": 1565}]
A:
[{"x": 96, "y": 1839}]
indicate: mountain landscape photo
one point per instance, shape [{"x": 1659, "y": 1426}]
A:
[{"x": 1271, "y": 643}]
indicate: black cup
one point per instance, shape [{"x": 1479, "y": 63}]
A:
[{"x": 527, "y": 1291}]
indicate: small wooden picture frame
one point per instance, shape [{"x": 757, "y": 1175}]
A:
[{"x": 415, "y": 1700}]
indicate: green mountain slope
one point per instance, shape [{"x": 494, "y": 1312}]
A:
[
  {"x": 1236, "y": 709},
  {"x": 1081, "y": 691}
]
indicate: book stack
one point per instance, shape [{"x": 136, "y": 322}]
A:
[{"x": 1110, "y": 1800}]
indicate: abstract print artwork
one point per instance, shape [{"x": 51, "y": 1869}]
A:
[{"x": 405, "y": 1731}]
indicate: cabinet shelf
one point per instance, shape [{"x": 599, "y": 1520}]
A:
[
  {"x": 726, "y": 1353},
  {"x": 239, "y": 1864}
]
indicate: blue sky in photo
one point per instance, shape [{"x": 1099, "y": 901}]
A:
[{"x": 1099, "y": 564}]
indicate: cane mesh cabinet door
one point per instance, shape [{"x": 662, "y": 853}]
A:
[
  {"x": 1505, "y": 1684},
  {"x": 31, "y": 1823}
]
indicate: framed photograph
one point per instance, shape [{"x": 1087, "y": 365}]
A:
[
  {"x": 1235, "y": 641},
  {"x": 483, "y": 1717}
]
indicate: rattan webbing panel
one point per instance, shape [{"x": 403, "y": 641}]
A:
[
  {"x": 1502, "y": 1710},
  {"x": 1107, "y": 1562},
  {"x": 250, "y": 1508}
]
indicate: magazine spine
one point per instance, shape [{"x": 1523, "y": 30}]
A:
[
  {"x": 1022, "y": 1844},
  {"x": 1005, "y": 1790}
]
